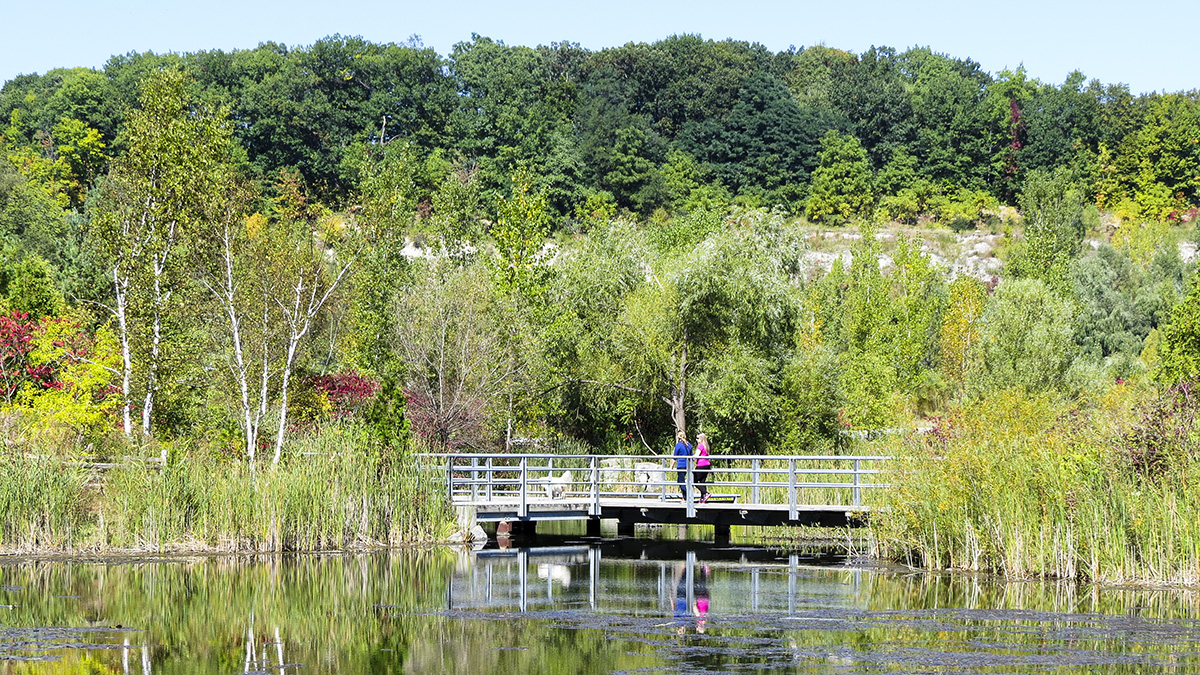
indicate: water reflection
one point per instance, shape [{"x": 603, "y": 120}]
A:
[
  {"x": 646, "y": 577},
  {"x": 621, "y": 606}
]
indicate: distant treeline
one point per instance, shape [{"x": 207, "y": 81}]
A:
[
  {"x": 218, "y": 246},
  {"x": 669, "y": 125}
]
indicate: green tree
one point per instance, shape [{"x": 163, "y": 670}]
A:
[
  {"x": 951, "y": 139},
  {"x": 764, "y": 146},
  {"x": 960, "y": 330},
  {"x": 172, "y": 174},
  {"x": 1052, "y": 214},
  {"x": 1179, "y": 350},
  {"x": 701, "y": 334},
  {"x": 27, "y": 286},
  {"x": 515, "y": 104},
  {"x": 841, "y": 185},
  {"x": 519, "y": 233},
  {"x": 811, "y": 402},
  {"x": 1025, "y": 339}
]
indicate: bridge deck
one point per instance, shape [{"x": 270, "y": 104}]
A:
[
  {"x": 775, "y": 490},
  {"x": 671, "y": 511}
]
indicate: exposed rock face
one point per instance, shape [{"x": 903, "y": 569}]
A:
[{"x": 969, "y": 253}]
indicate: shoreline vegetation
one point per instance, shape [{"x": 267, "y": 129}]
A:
[
  {"x": 334, "y": 495},
  {"x": 285, "y": 272},
  {"x": 1100, "y": 491}
]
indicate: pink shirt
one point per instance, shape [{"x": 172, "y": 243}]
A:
[{"x": 702, "y": 451}]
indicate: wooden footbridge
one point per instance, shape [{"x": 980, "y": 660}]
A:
[{"x": 517, "y": 491}]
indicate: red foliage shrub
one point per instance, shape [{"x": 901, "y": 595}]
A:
[{"x": 346, "y": 391}]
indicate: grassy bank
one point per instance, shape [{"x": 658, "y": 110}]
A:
[
  {"x": 332, "y": 493},
  {"x": 1035, "y": 486}
]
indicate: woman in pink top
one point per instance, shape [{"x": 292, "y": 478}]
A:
[{"x": 702, "y": 466}]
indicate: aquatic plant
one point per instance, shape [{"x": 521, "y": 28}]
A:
[
  {"x": 1037, "y": 485},
  {"x": 42, "y": 504},
  {"x": 335, "y": 492}
]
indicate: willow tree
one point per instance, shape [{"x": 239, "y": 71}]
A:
[{"x": 696, "y": 333}]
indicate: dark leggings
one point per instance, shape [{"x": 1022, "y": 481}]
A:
[
  {"x": 699, "y": 477},
  {"x": 683, "y": 482}
]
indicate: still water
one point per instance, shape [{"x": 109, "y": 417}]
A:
[{"x": 570, "y": 606}]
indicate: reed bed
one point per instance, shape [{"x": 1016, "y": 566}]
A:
[
  {"x": 334, "y": 491},
  {"x": 1033, "y": 486},
  {"x": 43, "y": 505}
]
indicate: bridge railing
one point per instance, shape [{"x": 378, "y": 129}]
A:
[{"x": 796, "y": 480}]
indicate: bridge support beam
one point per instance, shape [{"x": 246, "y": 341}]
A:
[
  {"x": 516, "y": 528},
  {"x": 721, "y": 534},
  {"x": 593, "y": 527}
]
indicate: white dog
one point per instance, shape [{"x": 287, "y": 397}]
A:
[{"x": 556, "y": 487}]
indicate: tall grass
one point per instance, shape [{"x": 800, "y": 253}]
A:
[
  {"x": 1036, "y": 486},
  {"x": 333, "y": 493},
  {"x": 42, "y": 503}
]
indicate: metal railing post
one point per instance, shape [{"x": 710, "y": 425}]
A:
[
  {"x": 450, "y": 477},
  {"x": 524, "y": 508},
  {"x": 754, "y": 478},
  {"x": 595, "y": 485},
  {"x": 474, "y": 479},
  {"x": 857, "y": 491},
  {"x": 691, "y": 493},
  {"x": 792, "y": 513},
  {"x": 663, "y": 480},
  {"x": 489, "y": 479}
]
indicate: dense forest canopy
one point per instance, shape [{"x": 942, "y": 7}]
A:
[{"x": 289, "y": 235}]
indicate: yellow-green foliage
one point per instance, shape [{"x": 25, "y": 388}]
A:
[
  {"x": 1033, "y": 486},
  {"x": 80, "y": 404}
]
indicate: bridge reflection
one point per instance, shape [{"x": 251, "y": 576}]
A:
[{"x": 650, "y": 578}]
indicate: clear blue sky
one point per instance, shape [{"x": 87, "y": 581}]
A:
[{"x": 1148, "y": 45}]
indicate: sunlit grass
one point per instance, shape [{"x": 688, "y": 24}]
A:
[
  {"x": 42, "y": 502},
  {"x": 333, "y": 491},
  {"x": 1032, "y": 487}
]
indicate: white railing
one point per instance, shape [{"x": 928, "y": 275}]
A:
[{"x": 796, "y": 480}]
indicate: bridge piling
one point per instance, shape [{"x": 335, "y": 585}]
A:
[{"x": 721, "y": 534}]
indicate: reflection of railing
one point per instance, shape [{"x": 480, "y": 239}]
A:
[
  {"x": 533, "y": 579},
  {"x": 747, "y": 479}
]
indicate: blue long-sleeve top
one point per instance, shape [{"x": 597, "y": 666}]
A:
[{"x": 682, "y": 452}]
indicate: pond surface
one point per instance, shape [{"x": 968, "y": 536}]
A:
[{"x": 570, "y": 606}]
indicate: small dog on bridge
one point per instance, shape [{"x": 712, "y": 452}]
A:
[{"x": 556, "y": 486}]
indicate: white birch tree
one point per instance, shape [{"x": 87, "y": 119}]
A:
[{"x": 172, "y": 172}]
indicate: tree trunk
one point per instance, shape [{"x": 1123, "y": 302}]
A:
[
  {"x": 679, "y": 392},
  {"x": 121, "y": 288}
]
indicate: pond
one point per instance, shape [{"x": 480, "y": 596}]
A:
[{"x": 573, "y": 606}]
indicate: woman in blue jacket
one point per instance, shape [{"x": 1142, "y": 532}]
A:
[{"x": 682, "y": 452}]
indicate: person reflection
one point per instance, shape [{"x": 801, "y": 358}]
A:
[
  {"x": 701, "y": 589},
  {"x": 699, "y": 599},
  {"x": 681, "y": 601}
]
